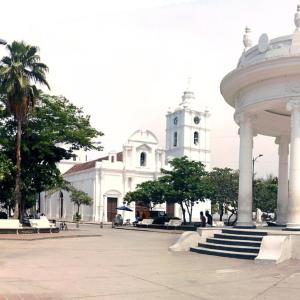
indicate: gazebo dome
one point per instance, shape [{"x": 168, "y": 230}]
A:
[
  {"x": 266, "y": 49},
  {"x": 270, "y": 49},
  {"x": 266, "y": 78}
]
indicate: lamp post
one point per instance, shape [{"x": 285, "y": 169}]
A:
[
  {"x": 253, "y": 165},
  {"x": 253, "y": 173}
]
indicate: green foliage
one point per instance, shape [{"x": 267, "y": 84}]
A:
[
  {"x": 224, "y": 185},
  {"x": 6, "y": 167},
  {"x": 79, "y": 198},
  {"x": 76, "y": 217},
  {"x": 54, "y": 121},
  {"x": 265, "y": 194},
  {"x": 148, "y": 194},
  {"x": 19, "y": 71},
  {"x": 186, "y": 184}
]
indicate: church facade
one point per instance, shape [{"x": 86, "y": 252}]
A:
[{"x": 107, "y": 179}]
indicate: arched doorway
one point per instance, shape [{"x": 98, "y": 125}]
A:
[{"x": 112, "y": 199}]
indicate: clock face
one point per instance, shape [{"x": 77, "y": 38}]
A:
[
  {"x": 175, "y": 121},
  {"x": 197, "y": 120}
]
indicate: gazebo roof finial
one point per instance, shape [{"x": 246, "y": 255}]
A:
[
  {"x": 297, "y": 18},
  {"x": 246, "y": 38}
]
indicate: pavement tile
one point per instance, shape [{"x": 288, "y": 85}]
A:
[
  {"x": 28, "y": 297},
  {"x": 279, "y": 293},
  {"x": 13, "y": 297},
  {"x": 129, "y": 265}
]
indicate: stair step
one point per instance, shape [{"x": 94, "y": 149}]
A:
[
  {"x": 223, "y": 253},
  {"x": 238, "y": 237},
  {"x": 233, "y": 242},
  {"x": 246, "y": 249},
  {"x": 244, "y": 232}
]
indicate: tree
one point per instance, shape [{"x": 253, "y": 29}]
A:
[
  {"x": 265, "y": 193},
  {"x": 224, "y": 183},
  {"x": 79, "y": 198},
  {"x": 53, "y": 131},
  {"x": 5, "y": 167},
  {"x": 148, "y": 194},
  {"x": 18, "y": 72},
  {"x": 185, "y": 184}
]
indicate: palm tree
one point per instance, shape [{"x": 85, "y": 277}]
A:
[{"x": 19, "y": 72}]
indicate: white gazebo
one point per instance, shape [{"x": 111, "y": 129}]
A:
[{"x": 264, "y": 89}]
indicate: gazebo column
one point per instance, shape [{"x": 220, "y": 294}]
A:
[
  {"x": 283, "y": 179},
  {"x": 245, "y": 168},
  {"x": 293, "y": 217}
]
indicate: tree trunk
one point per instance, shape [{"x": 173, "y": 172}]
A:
[
  {"x": 183, "y": 213},
  {"x": 189, "y": 211},
  {"x": 78, "y": 209},
  {"x": 39, "y": 203},
  {"x": 18, "y": 196},
  {"x": 191, "y": 214},
  {"x": 221, "y": 211}
]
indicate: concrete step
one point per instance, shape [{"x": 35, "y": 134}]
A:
[
  {"x": 238, "y": 237},
  {"x": 234, "y": 248},
  {"x": 244, "y": 232},
  {"x": 215, "y": 252},
  {"x": 233, "y": 242}
]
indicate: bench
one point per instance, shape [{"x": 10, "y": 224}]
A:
[
  {"x": 10, "y": 225},
  {"x": 173, "y": 222},
  {"x": 42, "y": 224},
  {"x": 144, "y": 223}
]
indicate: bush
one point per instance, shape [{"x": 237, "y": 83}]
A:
[{"x": 77, "y": 217}]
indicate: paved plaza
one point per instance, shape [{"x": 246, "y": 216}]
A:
[{"x": 128, "y": 265}]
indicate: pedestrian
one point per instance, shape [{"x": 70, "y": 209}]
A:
[
  {"x": 202, "y": 219},
  {"x": 209, "y": 218}
]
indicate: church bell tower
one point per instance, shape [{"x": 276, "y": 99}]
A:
[{"x": 187, "y": 131}]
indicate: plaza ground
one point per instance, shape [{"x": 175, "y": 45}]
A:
[{"x": 128, "y": 265}]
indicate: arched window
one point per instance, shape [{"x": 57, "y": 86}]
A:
[
  {"x": 143, "y": 159},
  {"x": 175, "y": 139},
  {"x": 196, "y": 138}
]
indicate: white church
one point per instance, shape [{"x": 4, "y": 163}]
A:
[{"x": 107, "y": 179}]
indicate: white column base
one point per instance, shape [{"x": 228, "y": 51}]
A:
[{"x": 245, "y": 225}]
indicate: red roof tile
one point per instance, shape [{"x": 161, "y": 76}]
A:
[{"x": 91, "y": 164}]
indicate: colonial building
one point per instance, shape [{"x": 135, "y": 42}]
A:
[{"x": 109, "y": 178}]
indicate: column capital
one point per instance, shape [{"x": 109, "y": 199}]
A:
[
  {"x": 243, "y": 117},
  {"x": 293, "y": 105},
  {"x": 283, "y": 139}
]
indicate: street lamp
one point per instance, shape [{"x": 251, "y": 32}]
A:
[
  {"x": 2, "y": 42},
  {"x": 253, "y": 164},
  {"x": 253, "y": 173}
]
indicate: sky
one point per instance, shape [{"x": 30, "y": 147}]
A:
[{"x": 127, "y": 62}]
